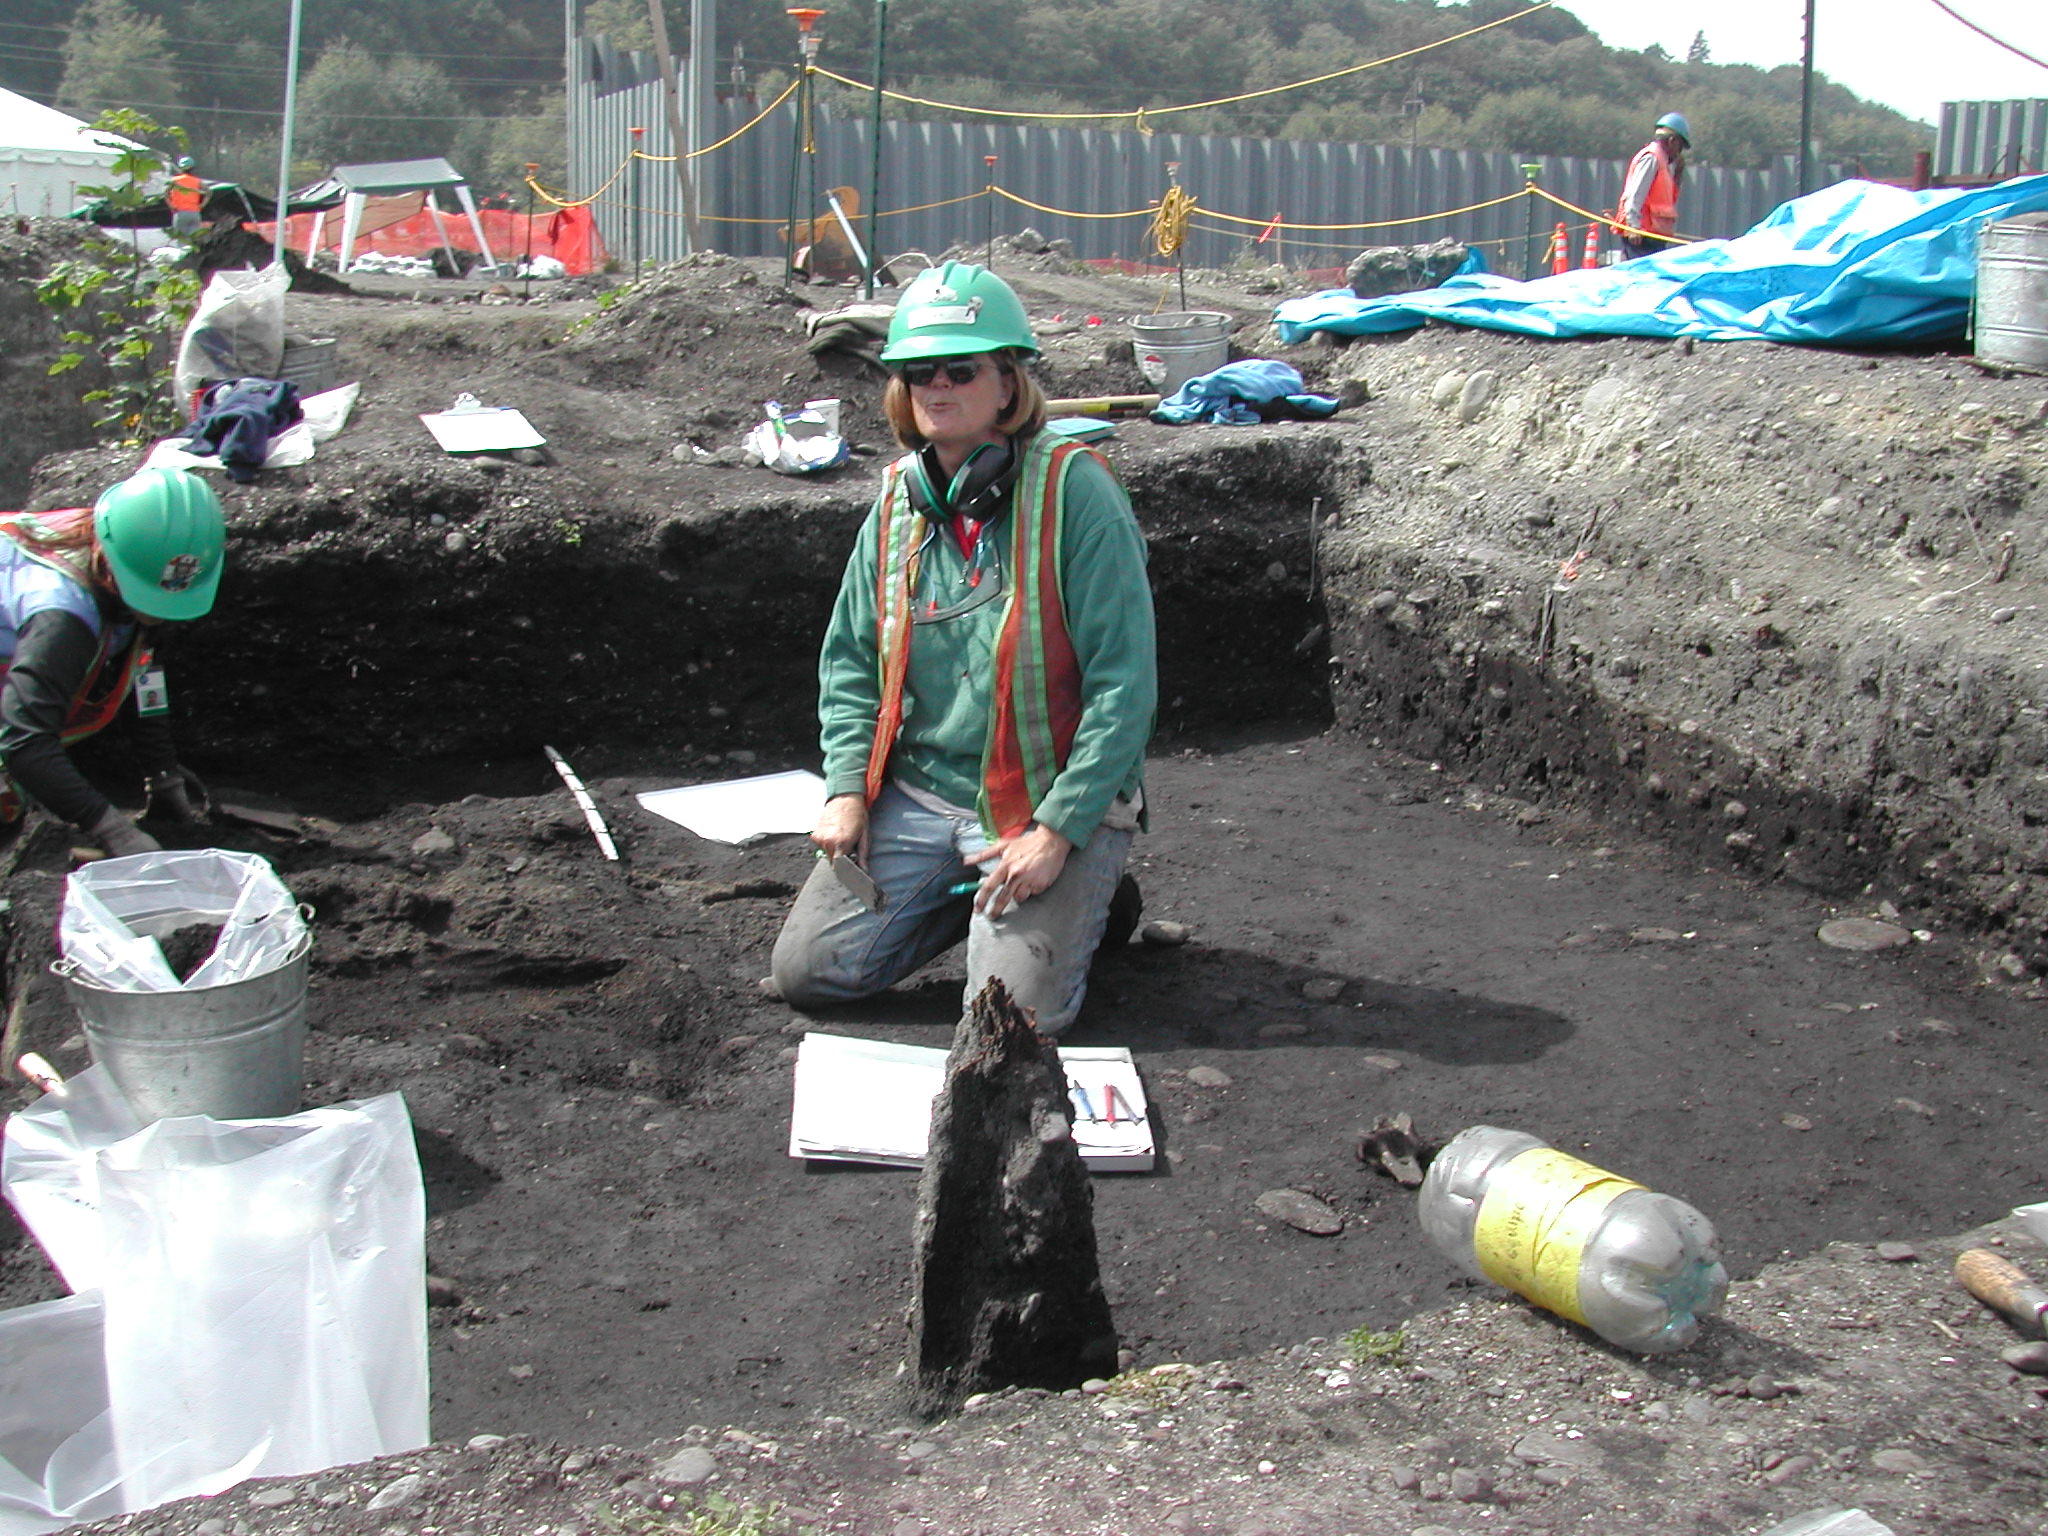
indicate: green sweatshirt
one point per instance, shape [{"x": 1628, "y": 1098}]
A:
[{"x": 948, "y": 697}]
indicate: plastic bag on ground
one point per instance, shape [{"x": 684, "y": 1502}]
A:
[
  {"x": 795, "y": 442},
  {"x": 261, "y": 1303},
  {"x": 237, "y": 331},
  {"x": 115, "y": 910}
]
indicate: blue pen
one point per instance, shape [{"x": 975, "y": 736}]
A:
[
  {"x": 964, "y": 887},
  {"x": 1087, "y": 1109}
]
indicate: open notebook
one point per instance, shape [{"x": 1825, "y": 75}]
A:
[{"x": 869, "y": 1101}]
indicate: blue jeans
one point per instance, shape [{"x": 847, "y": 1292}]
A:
[{"x": 832, "y": 949}]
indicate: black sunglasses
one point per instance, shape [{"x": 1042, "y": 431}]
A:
[{"x": 959, "y": 370}]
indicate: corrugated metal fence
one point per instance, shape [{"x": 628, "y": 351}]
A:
[
  {"x": 747, "y": 187},
  {"x": 1991, "y": 140}
]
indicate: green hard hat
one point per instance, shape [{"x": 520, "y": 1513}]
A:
[
  {"x": 1676, "y": 122},
  {"x": 165, "y": 541},
  {"x": 956, "y": 309}
]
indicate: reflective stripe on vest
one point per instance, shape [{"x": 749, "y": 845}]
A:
[{"x": 1037, "y": 689}]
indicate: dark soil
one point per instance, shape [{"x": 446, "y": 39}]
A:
[
  {"x": 187, "y": 948},
  {"x": 1505, "y": 920}
]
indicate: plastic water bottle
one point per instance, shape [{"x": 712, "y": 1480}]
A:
[{"x": 1638, "y": 1268}]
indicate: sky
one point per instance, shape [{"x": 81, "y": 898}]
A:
[{"x": 1906, "y": 54}]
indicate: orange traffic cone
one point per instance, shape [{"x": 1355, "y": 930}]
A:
[
  {"x": 1592, "y": 258},
  {"x": 1560, "y": 252}
]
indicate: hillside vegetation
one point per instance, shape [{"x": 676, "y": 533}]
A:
[{"x": 480, "y": 80}]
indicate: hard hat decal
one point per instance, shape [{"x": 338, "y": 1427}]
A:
[
  {"x": 179, "y": 573},
  {"x": 945, "y": 314}
]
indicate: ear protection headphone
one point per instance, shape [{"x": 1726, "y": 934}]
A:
[{"x": 977, "y": 490}]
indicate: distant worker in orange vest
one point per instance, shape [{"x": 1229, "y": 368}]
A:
[
  {"x": 1648, "y": 212},
  {"x": 186, "y": 195}
]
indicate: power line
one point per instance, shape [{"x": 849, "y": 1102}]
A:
[
  {"x": 1955, "y": 15},
  {"x": 181, "y": 108},
  {"x": 30, "y": 54},
  {"x": 538, "y": 58}
]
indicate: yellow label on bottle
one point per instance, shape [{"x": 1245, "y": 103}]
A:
[{"x": 1540, "y": 1210}]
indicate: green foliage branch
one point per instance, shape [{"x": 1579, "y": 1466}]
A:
[{"x": 115, "y": 305}]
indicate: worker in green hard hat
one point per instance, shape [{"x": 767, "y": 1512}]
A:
[
  {"x": 986, "y": 685},
  {"x": 1647, "y": 215},
  {"x": 82, "y": 592}
]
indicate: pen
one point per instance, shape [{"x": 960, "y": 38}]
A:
[
  {"x": 1109, "y": 1101},
  {"x": 1087, "y": 1109},
  {"x": 963, "y": 887}
]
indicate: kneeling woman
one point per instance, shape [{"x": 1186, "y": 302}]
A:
[
  {"x": 987, "y": 686},
  {"x": 81, "y": 592}
]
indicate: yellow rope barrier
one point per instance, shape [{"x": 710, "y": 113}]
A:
[
  {"x": 1420, "y": 218},
  {"x": 787, "y": 92},
  {"x": 1139, "y": 116},
  {"x": 1610, "y": 220},
  {"x": 1025, "y": 202}
]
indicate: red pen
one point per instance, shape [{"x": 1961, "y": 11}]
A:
[{"x": 1109, "y": 1098}]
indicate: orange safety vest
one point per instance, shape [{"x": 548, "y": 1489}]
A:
[
  {"x": 99, "y": 697},
  {"x": 1037, "y": 685},
  {"x": 1660, "y": 207},
  {"x": 187, "y": 193}
]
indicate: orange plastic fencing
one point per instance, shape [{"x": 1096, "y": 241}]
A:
[{"x": 567, "y": 234}]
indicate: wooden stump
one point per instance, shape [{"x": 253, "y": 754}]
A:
[{"x": 1008, "y": 1285}]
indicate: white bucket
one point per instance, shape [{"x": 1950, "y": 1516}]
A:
[{"x": 1174, "y": 348}]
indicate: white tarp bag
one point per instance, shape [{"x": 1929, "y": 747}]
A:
[
  {"x": 260, "y": 1308},
  {"x": 796, "y": 442},
  {"x": 237, "y": 332},
  {"x": 107, "y": 902}
]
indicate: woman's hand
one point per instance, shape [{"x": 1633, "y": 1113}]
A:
[
  {"x": 1024, "y": 865},
  {"x": 843, "y": 827}
]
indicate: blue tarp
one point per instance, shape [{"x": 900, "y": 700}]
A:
[{"x": 1857, "y": 262}]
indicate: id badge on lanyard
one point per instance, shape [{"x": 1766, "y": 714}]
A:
[{"x": 152, "y": 696}]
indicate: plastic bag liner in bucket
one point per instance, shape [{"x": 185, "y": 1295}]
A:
[
  {"x": 1174, "y": 348},
  {"x": 229, "y": 1041}
]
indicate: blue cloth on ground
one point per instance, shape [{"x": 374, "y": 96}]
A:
[
  {"x": 1257, "y": 389},
  {"x": 237, "y": 419},
  {"x": 1855, "y": 263}
]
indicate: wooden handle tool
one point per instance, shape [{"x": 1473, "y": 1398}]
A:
[{"x": 2005, "y": 1289}]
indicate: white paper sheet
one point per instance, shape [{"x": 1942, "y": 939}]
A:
[
  {"x": 870, "y": 1101},
  {"x": 488, "y": 429},
  {"x": 740, "y": 809}
]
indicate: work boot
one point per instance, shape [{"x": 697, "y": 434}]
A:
[{"x": 1126, "y": 911}]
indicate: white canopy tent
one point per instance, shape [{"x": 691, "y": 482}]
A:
[
  {"x": 46, "y": 155},
  {"x": 391, "y": 177}
]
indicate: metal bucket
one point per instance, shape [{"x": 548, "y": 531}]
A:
[
  {"x": 234, "y": 1052},
  {"x": 2012, "y": 293},
  {"x": 1174, "y": 348}
]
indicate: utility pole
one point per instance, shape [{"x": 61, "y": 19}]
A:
[
  {"x": 284, "y": 140},
  {"x": 678, "y": 137},
  {"x": 875, "y": 163},
  {"x": 1806, "y": 109},
  {"x": 569, "y": 85}
]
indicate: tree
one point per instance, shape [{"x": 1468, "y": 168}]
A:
[
  {"x": 114, "y": 57},
  {"x": 1698, "y": 53},
  {"x": 355, "y": 107}
]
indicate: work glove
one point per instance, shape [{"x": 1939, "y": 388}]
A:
[
  {"x": 178, "y": 794},
  {"x": 119, "y": 836}
]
